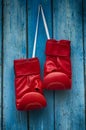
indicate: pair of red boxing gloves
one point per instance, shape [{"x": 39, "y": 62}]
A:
[{"x": 57, "y": 72}]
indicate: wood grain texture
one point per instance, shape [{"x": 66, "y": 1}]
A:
[
  {"x": 66, "y": 109},
  {"x": 41, "y": 119},
  {"x": 14, "y": 29},
  {"x": 84, "y": 18},
  {"x": 84, "y": 29},
  {"x": 70, "y": 105},
  {"x": 0, "y": 31},
  {"x": 0, "y": 57}
]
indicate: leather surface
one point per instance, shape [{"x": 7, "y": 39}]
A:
[
  {"x": 57, "y": 68},
  {"x": 28, "y": 85}
]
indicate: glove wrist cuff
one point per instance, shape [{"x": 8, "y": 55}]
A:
[
  {"x": 58, "y": 48},
  {"x": 26, "y": 66}
]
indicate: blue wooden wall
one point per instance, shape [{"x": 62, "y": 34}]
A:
[{"x": 66, "y": 20}]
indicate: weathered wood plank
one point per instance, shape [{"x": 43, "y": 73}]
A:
[
  {"x": 14, "y": 29},
  {"x": 0, "y": 56},
  {"x": 0, "y": 30},
  {"x": 70, "y": 105},
  {"x": 84, "y": 9},
  {"x": 41, "y": 119},
  {"x": 84, "y": 18}
]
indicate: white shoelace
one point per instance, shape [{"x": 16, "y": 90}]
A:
[{"x": 36, "y": 32}]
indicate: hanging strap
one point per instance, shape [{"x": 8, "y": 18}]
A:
[
  {"x": 36, "y": 32},
  {"x": 45, "y": 23}
]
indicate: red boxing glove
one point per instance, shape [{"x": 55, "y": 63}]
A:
[
  {"x": 57, "y": 68},
  {"x": 28, "y": 85}
]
